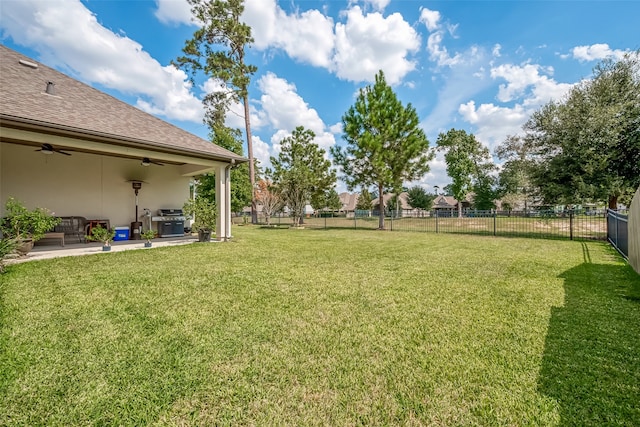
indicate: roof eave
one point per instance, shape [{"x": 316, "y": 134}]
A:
[{"x": 62, "y": 130}]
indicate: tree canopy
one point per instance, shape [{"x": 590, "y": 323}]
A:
[
  {"x": 329, "y": 200},
  {"x": 586, "y": 147},
  {"x": 218, "y": 50},
  {"x": 515, "y": 183},
  {"x": 385, "y": 145},
  {"x": 240, "y": 186},
  {"x": 364, "y": 202},
  {"x": 418, "y": 198},
  {"x": 468, "y": 165},
  {"x": 269, "y": 197},
  {"x": 301, "y": 172}
]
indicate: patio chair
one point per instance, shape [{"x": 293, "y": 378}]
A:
[{"x": 72, "y": 226}]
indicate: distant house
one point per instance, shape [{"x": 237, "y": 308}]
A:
[
  {"x": 448, "y": 205},
  {"x": 403, "y": 210},
  {"x": 349, "y": 202},
  {"x": 75, "y": 150}
]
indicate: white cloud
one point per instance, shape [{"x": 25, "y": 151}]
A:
[
  {"x": 437, "y": 52},
  {"x": 53, "y": 28},
  {"x": 379, "y": 4},
  {"x": 437, "y": 174},
  {"x": 431, "y": 18},
  {"x": 527, "y": 80},
  {"x": 371, "y": 42},
  {"x": 284, "y": 110},
  {"x": 596, "y": 52},
  {"x": 459, "y": 85},
  {"x": 518, "y": 79},
  {"x": 496, "y": 50},
  {"x": 529, "y": 86},
  {"x": 174, "y": 12},
  {"x": 261, "y": 152},
  {"x": 336, "y": 128},
  {"x": 354, "y": 50},
  {"x": 494, "y": 123},
  {"x": 306, "y": 37}
]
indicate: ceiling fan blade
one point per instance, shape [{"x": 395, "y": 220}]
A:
[{"x": 48, "y": 149}]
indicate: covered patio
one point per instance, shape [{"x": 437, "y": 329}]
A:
[{"x": 76, "y": 151}]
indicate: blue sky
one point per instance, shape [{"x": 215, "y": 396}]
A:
[{"x": 482, "y": 66}]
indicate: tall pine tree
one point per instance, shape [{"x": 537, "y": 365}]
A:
[
  {"x": 385, "y": 144},
  {"x": 218, "y": 49}
]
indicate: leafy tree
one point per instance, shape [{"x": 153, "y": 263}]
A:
[
  {"x": 468, "y": 161},
  {"x": 218, "y": 49},
  {"x": 587, "y": 146},
  {"x": 515, "y": 184},
  {"x": 301, "y": 172},
  {"x": 385, "y": 144},
  {"x": 268, "y": 196},
  {"x": 240, "y": 186},
  {"x": 329, "y": 200},
  {"x": 485, "y": 192},
  {"x": 448, "y": 190},
  {"x": 364, "y": 202},
  {"x": 418, "y": 198}
]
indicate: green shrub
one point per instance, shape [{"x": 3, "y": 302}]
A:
[
  {"x": 101, "y": 234},
  {"x": 21, "y": 223},
  {"x": 203, "y": 212}
]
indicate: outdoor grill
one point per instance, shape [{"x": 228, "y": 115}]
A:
[{"x": 170, "y": 222}]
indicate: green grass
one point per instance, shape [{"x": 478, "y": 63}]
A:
[{"x": 314, "y": 327}]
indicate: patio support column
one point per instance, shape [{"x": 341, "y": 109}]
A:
[{"x": 223, "y": 202}]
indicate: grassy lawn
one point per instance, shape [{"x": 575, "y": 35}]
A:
[{"x": 315, "y": 327}]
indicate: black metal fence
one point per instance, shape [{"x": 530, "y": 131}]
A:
[
  {"x": 618, "y": 231},
  {"x": 574, "y": 225}
]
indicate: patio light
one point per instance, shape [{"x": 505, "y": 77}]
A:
[{"x": 145, "y": 162}]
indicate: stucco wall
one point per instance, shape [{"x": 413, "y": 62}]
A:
[
  {"x": 88, "y": 185},
  {"x": 634, "y": 232}
]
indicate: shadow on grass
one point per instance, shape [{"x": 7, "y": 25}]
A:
[{"x": 591, "y": 361}]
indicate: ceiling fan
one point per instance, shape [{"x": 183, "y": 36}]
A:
[
  {"x": 48, "y": 149},
  {"x": 146, "y": 162}
]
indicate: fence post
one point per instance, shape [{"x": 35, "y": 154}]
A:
[
  {"x": 325, "y": 220},
  {"x": 436, "y": 220},
  {"x": 571, "y": 224},
  {"x": 355, "y": 220},
  {"x": 391, "y": 220},
  {"x": 495, "y": 214}
]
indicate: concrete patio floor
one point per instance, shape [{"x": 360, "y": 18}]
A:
[{"x": 52, "y": 249}]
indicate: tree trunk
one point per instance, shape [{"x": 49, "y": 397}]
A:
[
  {"x": 380, "y": 208},
  {"x": 252, "y": 173},
  {"x": 613, "y": 202},
  {"x": 459, "y": 209}
]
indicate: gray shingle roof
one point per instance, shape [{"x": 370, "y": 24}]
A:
[{"x": 80, "y": 109}]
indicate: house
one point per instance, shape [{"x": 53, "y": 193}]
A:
[
  {"x": 77, "y": 151},
  {"x": 349, "y": 202},
  {"x": 404, "y": 209},
  {"x": 448, "y": 205}
]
